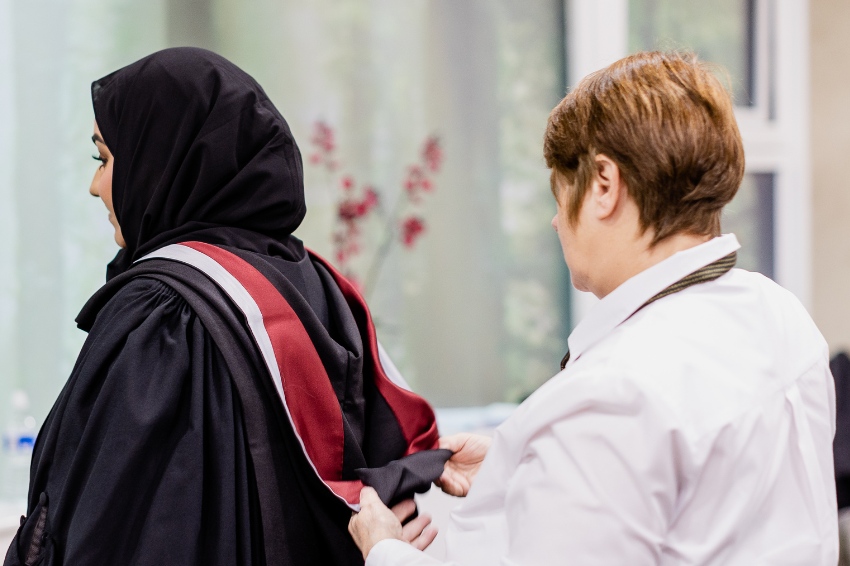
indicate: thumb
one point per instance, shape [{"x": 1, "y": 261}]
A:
[
  {"x": 368, "y": 496},
  {"x": 452, "y": 442}
]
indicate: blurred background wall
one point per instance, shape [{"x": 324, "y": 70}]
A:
[{"x": 830, "y": 149}]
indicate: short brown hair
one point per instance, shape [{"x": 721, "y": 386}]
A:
[{"x": 668, "y": 123}]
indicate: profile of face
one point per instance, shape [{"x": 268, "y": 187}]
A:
[
  {"x": 101, "y": 184},
  {"x": 601, "y": 243},
  {"x": 606, "y": 244},
  {"x": 570, "y": 234}
]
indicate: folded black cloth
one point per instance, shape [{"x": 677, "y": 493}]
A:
[{"x": 400, "y": 479}]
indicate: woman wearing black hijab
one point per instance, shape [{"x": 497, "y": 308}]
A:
[{"x": 192, "y": 430}]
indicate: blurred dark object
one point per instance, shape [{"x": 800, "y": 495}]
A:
[{"x": 840, "y": 367}]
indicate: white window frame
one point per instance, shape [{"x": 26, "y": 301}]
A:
[{"x": 597, "y": 35}]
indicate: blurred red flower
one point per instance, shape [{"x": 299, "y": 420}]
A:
[
  {"x": 356, "y": 205},
  {"x": 411, "y": 228},
  {"x": 432, "y": 154}
]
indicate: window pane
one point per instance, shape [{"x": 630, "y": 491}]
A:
[
  {"x": 720, "y": 31},
  {"x": 750, "y": 217},
  {"x": 56, "y": 237}
]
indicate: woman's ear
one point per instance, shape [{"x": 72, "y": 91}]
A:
[{"x": 607, "y": 189}]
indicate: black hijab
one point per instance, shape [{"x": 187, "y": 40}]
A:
[{"x": 200, "y": 154}]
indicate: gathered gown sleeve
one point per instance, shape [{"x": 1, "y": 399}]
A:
[{"x": 142, "y": 458}]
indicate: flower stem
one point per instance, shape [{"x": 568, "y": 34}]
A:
[{"x": 383, "y": 250}]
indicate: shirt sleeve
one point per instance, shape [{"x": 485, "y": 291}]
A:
[
  {"x": 392, "y": 552},
  {"x": 596, "y": 481}
]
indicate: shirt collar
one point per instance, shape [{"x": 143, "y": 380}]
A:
[{"x": 623, "y": 301}]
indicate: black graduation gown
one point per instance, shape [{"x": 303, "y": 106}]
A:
[{"x": 169, "y": 445}]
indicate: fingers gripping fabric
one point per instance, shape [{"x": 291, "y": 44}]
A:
[{"x": 399, "y": 480}]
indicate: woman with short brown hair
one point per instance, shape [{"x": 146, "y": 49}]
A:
[{"x": 692, "y": 421}]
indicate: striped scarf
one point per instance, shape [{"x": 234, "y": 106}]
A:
[{"x": 704, "y": 274}]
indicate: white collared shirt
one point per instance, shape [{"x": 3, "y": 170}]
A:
[{"x": 697, "y": 431}]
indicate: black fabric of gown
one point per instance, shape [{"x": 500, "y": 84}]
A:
[
  {"x": 168, "y": 444},
  {"x": 840, "y": 367}
]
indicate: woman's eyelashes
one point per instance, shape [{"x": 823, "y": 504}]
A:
[{"x": 102, "y": 160}]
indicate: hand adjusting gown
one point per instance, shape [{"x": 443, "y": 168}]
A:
[{"x": 169, "y": 443}]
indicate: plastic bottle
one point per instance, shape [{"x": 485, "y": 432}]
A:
[{"x": 18, "y": 442}]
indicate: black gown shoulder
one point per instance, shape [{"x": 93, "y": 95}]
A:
[{"x": 164, "y": 448}]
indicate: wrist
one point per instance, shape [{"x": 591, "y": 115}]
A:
[
  {"x": 374, "y": 539},
  {"x": 385, "y": 552}
]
